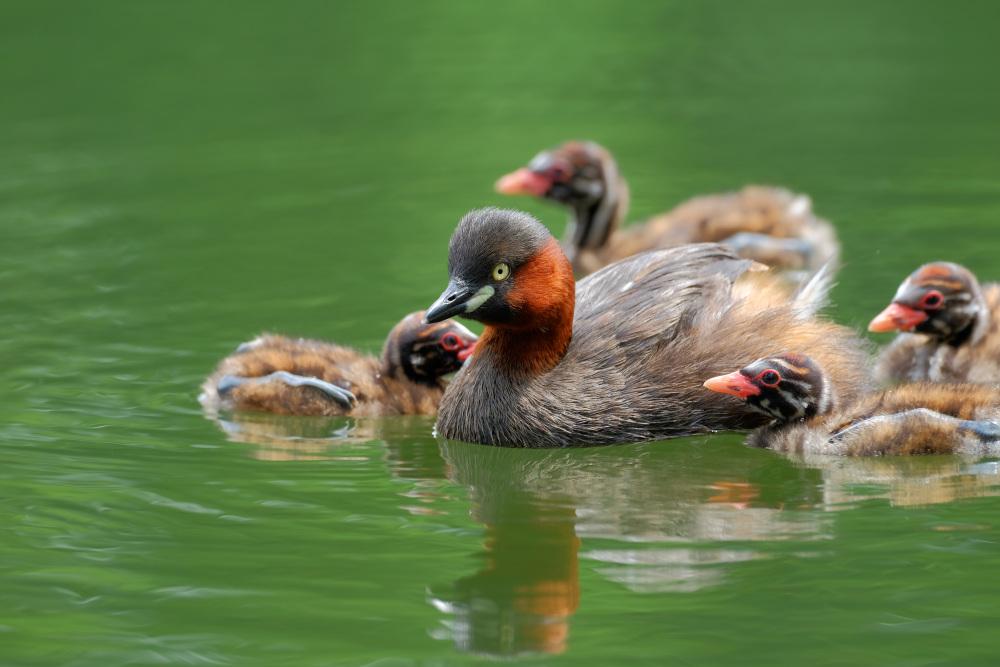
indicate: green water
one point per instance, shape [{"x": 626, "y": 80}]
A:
[{"x": 178, "y": 176}]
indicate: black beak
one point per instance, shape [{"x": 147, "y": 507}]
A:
[{"x": 451, "y": 302}]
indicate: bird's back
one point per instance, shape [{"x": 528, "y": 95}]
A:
[
  {"x": 269, "y": 353},
  {"x": 769, "y": 211}
]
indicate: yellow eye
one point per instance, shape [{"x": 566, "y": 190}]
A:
[{"x": 500, "y": 272}]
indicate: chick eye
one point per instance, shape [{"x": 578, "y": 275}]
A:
[
  {"x": 769, "y": 378},
  {"x": 559, "y": 172},
  {"x": 500, "y": 272},
  {"x": 449, "y": 342},
  {"x": 933, "y": 300}
]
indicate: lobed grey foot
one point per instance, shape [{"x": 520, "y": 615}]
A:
[
  {"x": 342, "y": 396},
  {"x": 250, "y": 345},
  {"x": 227, "y": 383},
  {"x": 986, "y": 431},
  {"x": 766, "y": 249},
  {"x": 906, "y": 418}
]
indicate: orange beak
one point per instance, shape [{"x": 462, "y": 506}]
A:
[
  {"x": 735, "y": 384},
  {"x": 897, "y": 317},
  {"x": 523, "y": 182}
]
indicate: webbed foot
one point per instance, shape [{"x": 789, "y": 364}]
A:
[
  {"x": 986, "y": 431},
  {"x": 781, "y": 252},
  {"x": 917, "y": 431},
  {"x": 250, "y": 345},
  {"x": 342, "y": 396}
]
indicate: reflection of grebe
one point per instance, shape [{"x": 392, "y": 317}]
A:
[
  {"x": 523, "y": 597},
  {"x": 667, "y": 518},
  {"x": 656, "y": 522},
  {"x": 410, "y": 450},
  {"x": 290, "y": 438},
  {"x": 905, "y": 482}
]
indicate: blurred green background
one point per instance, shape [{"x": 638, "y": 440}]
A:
[{"x": 178, "y": 176}]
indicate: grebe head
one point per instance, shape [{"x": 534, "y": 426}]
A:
[
  {"x": 787, "y": 387},
  {"x": 940, "y": 299},
  {"x": 425, "y": 352},
  {"x": 505, "y": 270},
  {"x": 570, "y": 174},
  {"x": 581, "y": 175}
]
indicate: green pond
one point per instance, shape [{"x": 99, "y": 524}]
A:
[{"x": 176, "y": 177}]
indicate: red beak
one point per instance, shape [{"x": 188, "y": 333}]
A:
[
  {"x": 466, "y": 352},
  {"x": 523, "y": 182},
  {"x": 735, "y": 384},
  {"x": 897, "y": 317}
]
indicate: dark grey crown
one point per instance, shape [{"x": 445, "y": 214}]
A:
[{"x": 486, "y": 236}]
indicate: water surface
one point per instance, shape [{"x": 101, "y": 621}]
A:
[{"x": 176, "y": 177}]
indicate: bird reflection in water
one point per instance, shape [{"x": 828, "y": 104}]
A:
[
  {"x": 296, "y": 438},
  {"x": 657, "y": 519},
  {"x": 905, "y": 481},
  {"x": 408, "y": 457},
  {"x": 652, "y": 518},
  {"x": 522, "y": 597},
  {"x": 665, "y": 518}
]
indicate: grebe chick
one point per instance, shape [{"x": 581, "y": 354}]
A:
[
  {"x": 297, "y": 376},
  {"x": 950, "y": 328},
  {"x": 771, "y": 225},
  {"x": 808, "y": 416}
]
